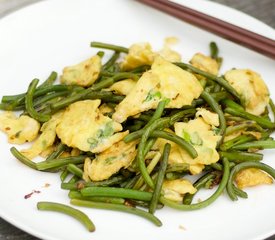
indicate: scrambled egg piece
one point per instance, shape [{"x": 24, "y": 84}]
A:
[
  {"x": 257, "y": 135},
  {"x": 175, "y": 156},
  {"x": 48, "y": 151},
  {"x": 198, "y": 133},
  {"x": 65, "y": 154},
  {"x": 75, "y": 152},
  {"x": 171, "y": 41},
  {"x": 196, "y": 168},
  {"x": 46, "y": 138},
  {"x": 19, "y": 130},
  {"x": 109, "y": 162},
  {"x": 170, "y": 55},
  {"x": 139, "y": 54},
  {"x": 152, "y": 154},
  {"x": 167, "y": 53},
  {"x": 251, "y": 87},
  {"x": 105, "y": 109},
  {"x": 175, "y": 189},
  {"x": 252, "y": 177},
  {"x": 123, "y": 87},
  {"x": 86, "y": 169},
  {"x": 163, "y": 81},
  {"x": 83, "y": 74},
  {"x": 209, "y": 117},
  {"x": 205, "y": 63},
  {"x": 82, "y": 126},
  {"x": 142, "y": 54}
]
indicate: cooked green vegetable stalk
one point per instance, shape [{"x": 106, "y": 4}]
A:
[{"x": 75, "y": 213}]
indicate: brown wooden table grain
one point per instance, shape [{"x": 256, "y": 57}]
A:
[{"x": 263, "y": 10}]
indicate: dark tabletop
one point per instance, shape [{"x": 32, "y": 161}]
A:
[{"x": 264, "y": 10}]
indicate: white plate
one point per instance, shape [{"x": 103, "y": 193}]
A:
[{"x": 52, "y": 34}]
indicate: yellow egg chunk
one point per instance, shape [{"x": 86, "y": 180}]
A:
[
  {"x": 209, "y": 117},
  {"x": 48, "y": 151},
  {"x": 142, "y": 54},
  {"x": 109, "y": 162},
  {"x": 139, "y": 54},
  {"x": 65, "y": 154},
  {"x": 86, "y": 169},
  {"x": 109, "y": 141},
  {"x": 168, "y": 41},
  {"x": 123, "y": 87},
  {"x": 152, "y": 154},
  {"x": 205, "y": 63},
  {"x": 196, "y": 168},
  {"x": 19, "y": 129},
  {"x": 168, "y": 54},
  {"x": 83, "y": 74},
  {"x": 163, "y": 81},
  {"x": 46, "y": 138},
  {"x": 75, "y": 152},
  {"x": 228, "y": 137},
  {"x": 105, "y": 109},
  {"x": 252, "y": 177},
  {"x": 175, "y": 189},
  {"x": 176, "y": 157},
  {"x": 251, "y": 87},
  {"x": 84, "y": 127},
  {"x": 198, "y": 133}
]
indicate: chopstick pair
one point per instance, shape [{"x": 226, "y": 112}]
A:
[{"x": 254, "y": 41}]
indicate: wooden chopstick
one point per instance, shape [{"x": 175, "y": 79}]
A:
[{"x": 254, "y": 41}]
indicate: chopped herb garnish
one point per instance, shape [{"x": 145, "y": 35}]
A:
[{"x": 152, "y": 95}]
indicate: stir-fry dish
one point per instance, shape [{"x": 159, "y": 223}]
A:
[{"x": 144, "y": 130}]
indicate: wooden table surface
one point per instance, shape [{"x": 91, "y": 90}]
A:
[{"x": 264, "y": 10}]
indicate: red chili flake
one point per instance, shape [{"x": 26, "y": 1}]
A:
[
  {"x": 30, "y": 194},
  {"x": 7, "y": 128}
]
